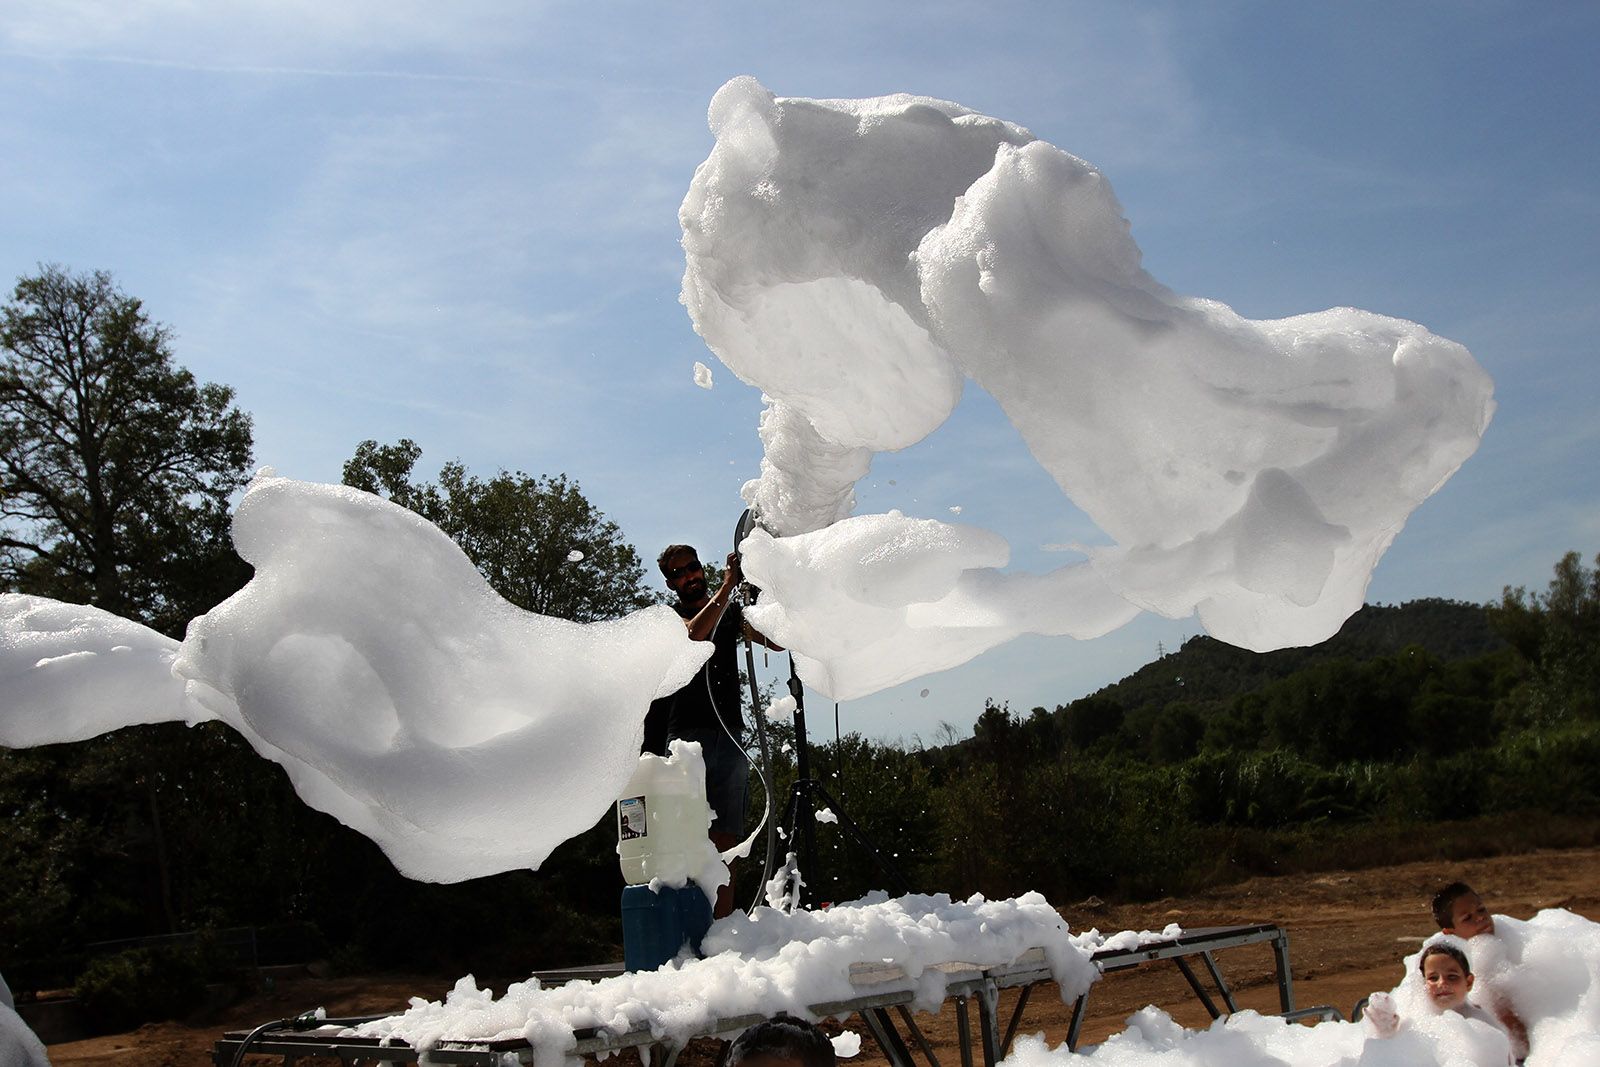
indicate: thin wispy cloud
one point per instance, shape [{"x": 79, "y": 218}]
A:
[
  {"x": 296, "y": 72},
  {"x": 166, "y": 28}
]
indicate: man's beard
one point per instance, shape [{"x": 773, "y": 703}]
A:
[{"x": 692, "y": 590}]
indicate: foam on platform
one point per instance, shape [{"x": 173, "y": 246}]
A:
[{"x": 766, "y": 962}]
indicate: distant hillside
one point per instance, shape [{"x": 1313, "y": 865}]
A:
[{"x": 1207, "y": 669}]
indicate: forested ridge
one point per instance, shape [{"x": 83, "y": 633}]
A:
[
  {"x": 1431, "y": 728},
  {"x": 1428, "y": 728}
]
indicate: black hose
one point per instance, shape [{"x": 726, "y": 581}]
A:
[
  {"x": 306, "y": 1020},
  {"x": 764, "y": 764}
]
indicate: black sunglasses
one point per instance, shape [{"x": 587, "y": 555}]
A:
[{"x": 674, "y": 573}]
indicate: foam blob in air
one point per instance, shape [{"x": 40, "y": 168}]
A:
[
  {"x": 371, "y": 660},
  {"x": 858, "y": 260},
  {"x": 70, "y": 671},
  {"x": 874, "y": 600}
]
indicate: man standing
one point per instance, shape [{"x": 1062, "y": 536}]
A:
[{"x": 707, "y": 710}]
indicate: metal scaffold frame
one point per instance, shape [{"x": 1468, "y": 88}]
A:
[{"x": 884, "y": 1005}]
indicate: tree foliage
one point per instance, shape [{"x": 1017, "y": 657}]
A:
[
  {"x": 538, "y": 541},
  {"x": 116, "y": 465},
  {"x": 1557, "y": 633},
  {"x": 116, "y": 469}
]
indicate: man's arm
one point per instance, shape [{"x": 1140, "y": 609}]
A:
[
  {"x": 1516, "y": 1029},
  {"x": 704, "y": 622}
]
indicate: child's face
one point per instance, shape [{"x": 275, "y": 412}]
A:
[
  {"x": 1447, "y": 983},
  {"x": 1469, "y": 918}
]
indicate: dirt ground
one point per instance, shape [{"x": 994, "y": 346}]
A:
[{"x": 1347, "y": 934}]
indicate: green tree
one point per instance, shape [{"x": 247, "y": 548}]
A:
[
  {"x": 538, "y": 541},
  {"x": 116, "y": 466},
  {"x": 116, "y": 469},
  {"x": 1177, "y": 732},
  {"x": 1093, "y": 718},
  {"x": 1557, "y": 634}
]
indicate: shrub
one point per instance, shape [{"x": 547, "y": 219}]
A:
[{"x": 140, "y": 985}]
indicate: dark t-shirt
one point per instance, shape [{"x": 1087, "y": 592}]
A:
[{"x": 690, "y": 708}]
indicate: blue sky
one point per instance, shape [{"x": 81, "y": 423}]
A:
[{"x": 458, "y": 223}]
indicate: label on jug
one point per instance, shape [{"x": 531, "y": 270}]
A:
[{"x": 631, "y": 822}]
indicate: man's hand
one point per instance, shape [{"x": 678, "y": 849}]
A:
[{"x": 734, "y": 577}]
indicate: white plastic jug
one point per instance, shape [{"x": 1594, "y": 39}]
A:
[{"x": 663, "y": 816}]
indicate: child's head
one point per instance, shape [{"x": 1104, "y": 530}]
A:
[
  {"x": 1446, "y": 974},
  {"x": 782, "y": 1041},
  {"x": 1460, "y": 911}
]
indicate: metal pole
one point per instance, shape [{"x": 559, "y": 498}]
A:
[
  {"x": 759, "y": 714},
  {"x": 1280, "y": 951},
  {"x": 804, "y": 813}
]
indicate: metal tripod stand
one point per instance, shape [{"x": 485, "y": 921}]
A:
[
  {"x": 800, "y": 816},
  {"x": 804, "y": 795}
]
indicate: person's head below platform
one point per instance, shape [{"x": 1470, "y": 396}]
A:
[
  {"x": 782, "y": 1041},
  {"x": 1446, "y": 974},
  {"x": 680, "y": 566},
  {"x": 1460, "y": 911}
]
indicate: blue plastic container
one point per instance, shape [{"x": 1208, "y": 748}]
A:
[{"x": 657, "y": 923}]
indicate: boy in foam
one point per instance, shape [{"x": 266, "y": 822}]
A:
[
  {"x": 782, "y": 1041},
  {"x": 1447, "y": 978},
  {"x": 1461, "y": 912}
]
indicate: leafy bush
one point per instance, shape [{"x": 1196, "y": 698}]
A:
[{"x": 140, "y": 985}]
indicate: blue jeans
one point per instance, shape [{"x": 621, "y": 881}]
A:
[{"x": 727, "y": 778}]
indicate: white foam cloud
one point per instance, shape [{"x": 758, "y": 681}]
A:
[
  {"x": 71, "y": 671},
  {"x": 858, "y": 260},
  {"x": 370, "y": 659}
]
